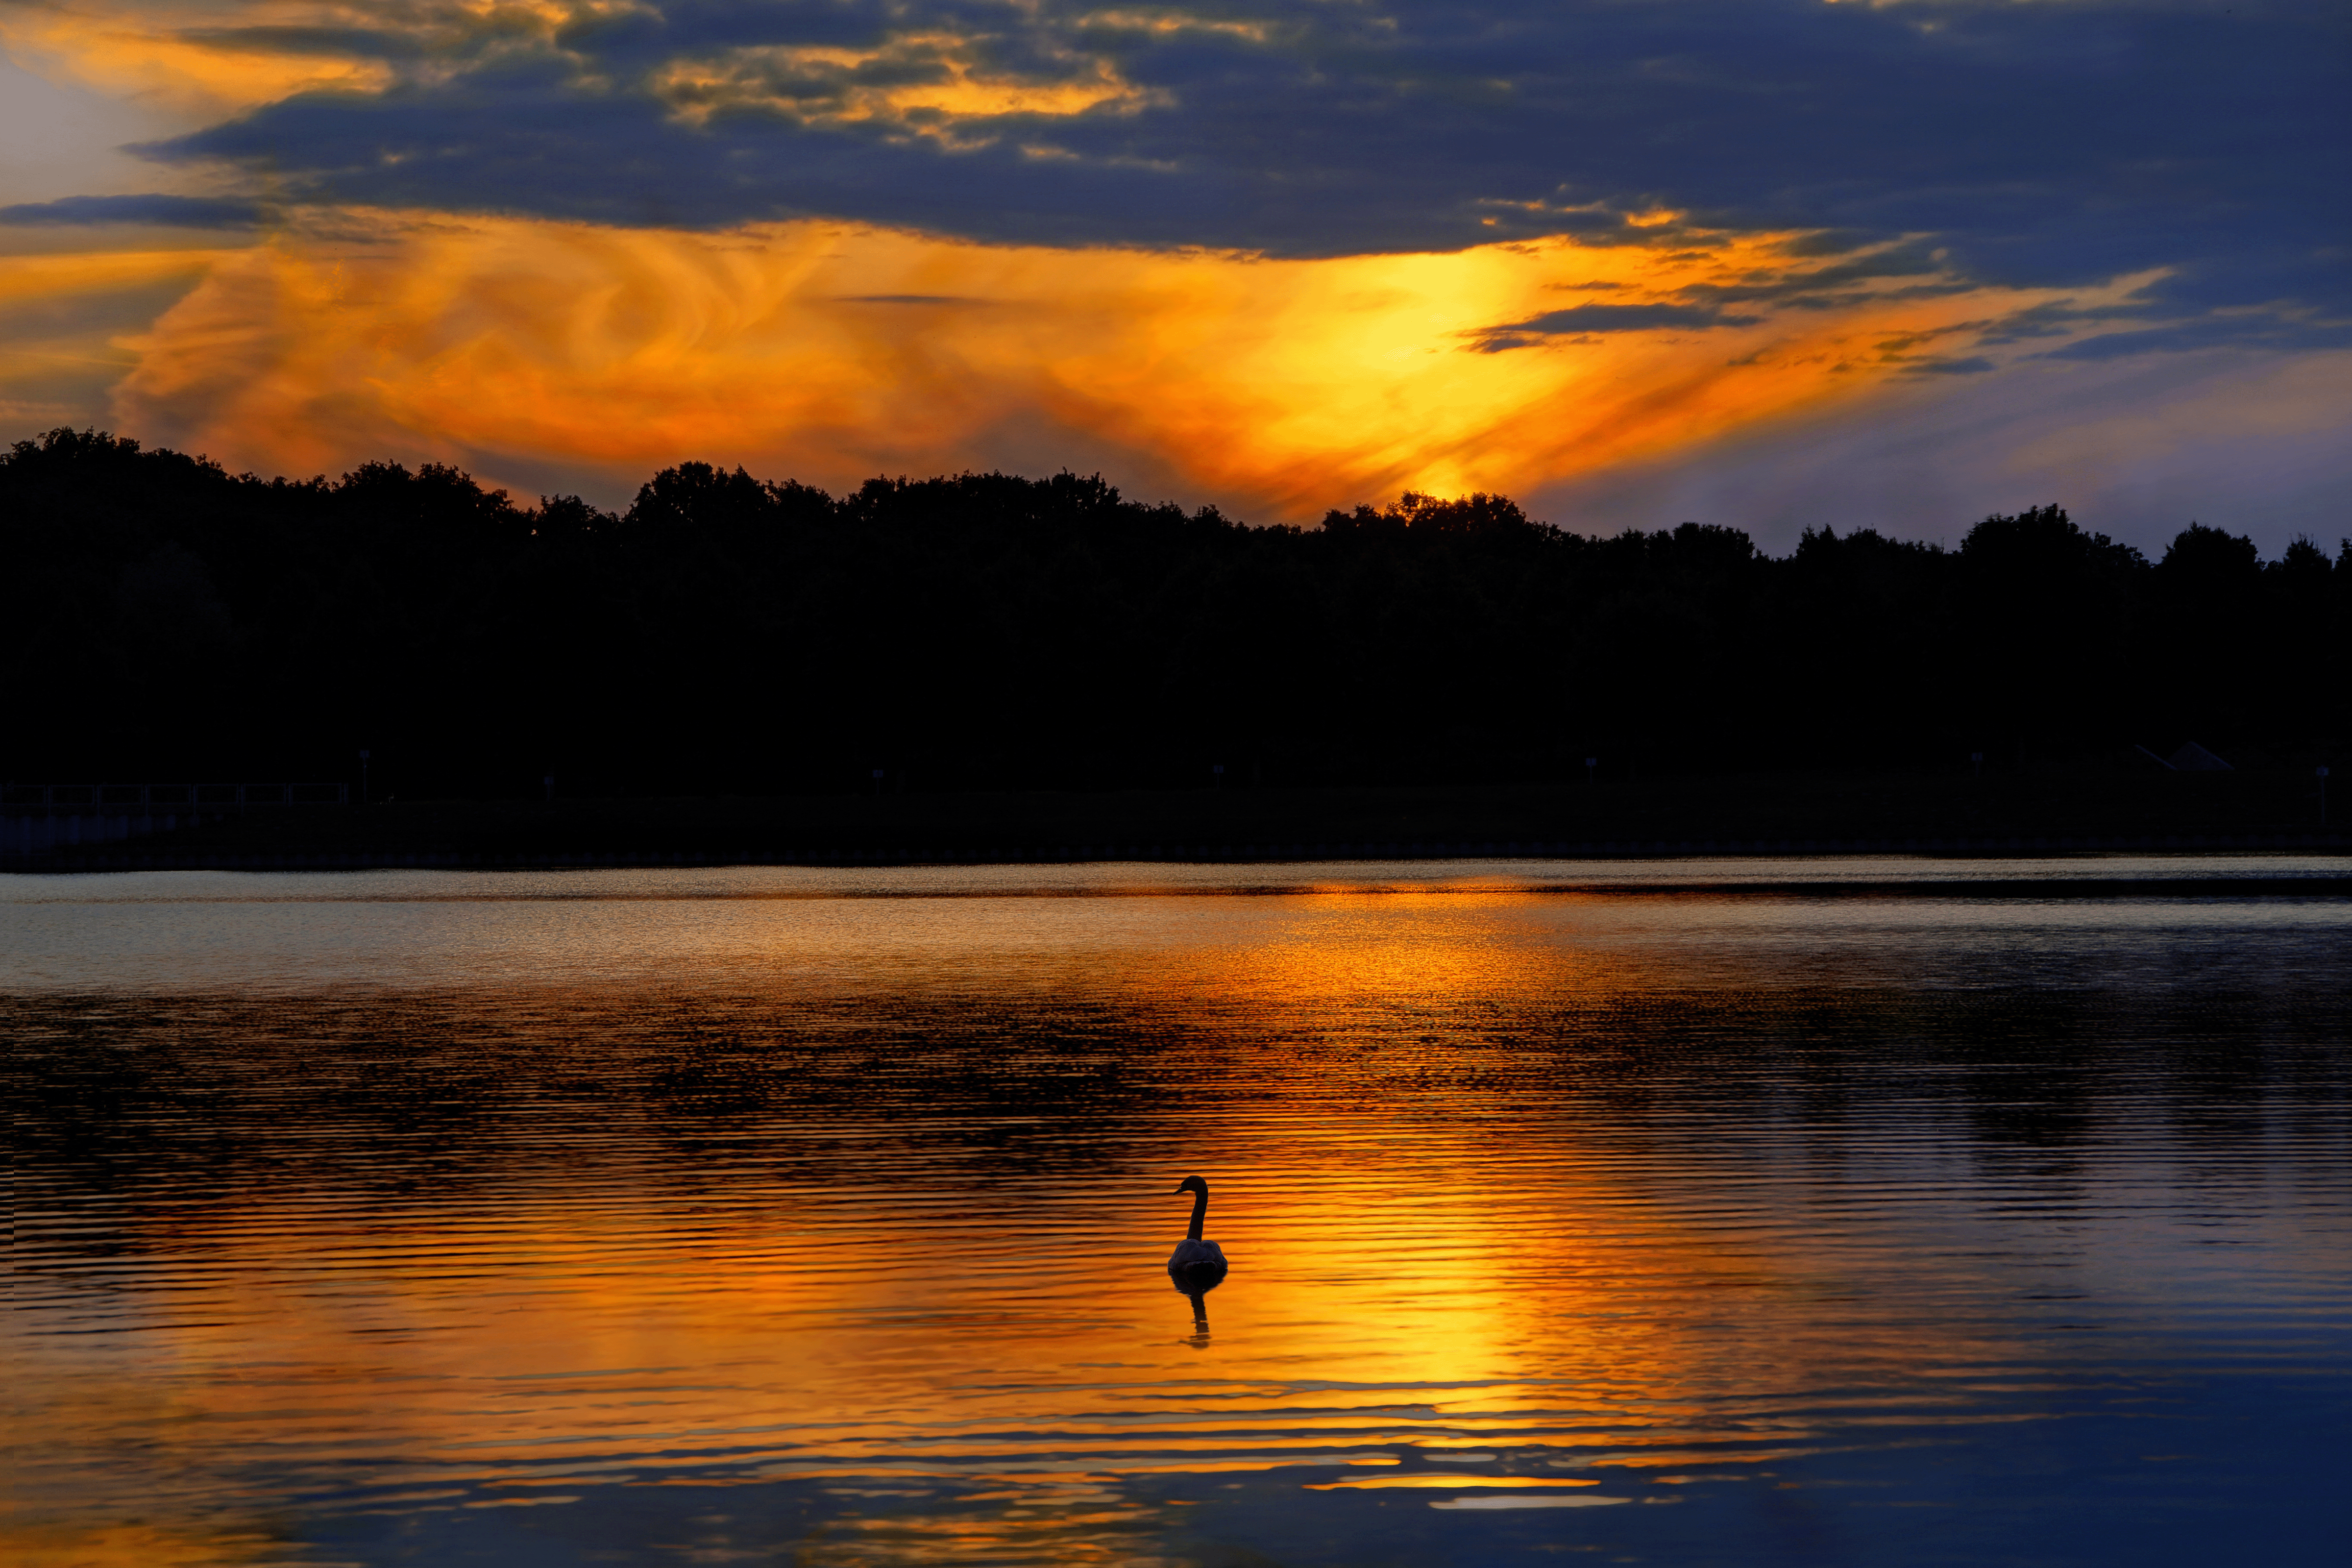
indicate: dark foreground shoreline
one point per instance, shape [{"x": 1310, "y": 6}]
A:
[{"x": 1780, "y": 814}]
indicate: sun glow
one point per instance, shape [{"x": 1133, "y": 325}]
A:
[{"x": 830, "y": 351}]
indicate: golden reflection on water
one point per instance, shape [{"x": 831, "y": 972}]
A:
[
  {"x": 573, "y": 1349},
  {"x": 1476, "y": 1265}
]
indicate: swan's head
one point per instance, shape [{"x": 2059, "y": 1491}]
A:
[{"x": 1193, "y": 1185}]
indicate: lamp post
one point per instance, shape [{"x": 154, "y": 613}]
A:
[
  {"x": 1590, "y": 764},
  {"x": 363, "y": 792},
  {"x": 2323, "y": 797},
  {"x": 1217, "y": 774},
  {"x": 1975, "y": 761}
]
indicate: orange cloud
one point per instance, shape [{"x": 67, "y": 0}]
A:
[
  {"x": 830, "y": 353},
  {"x": 60, "y": 307},
  {"x": 25, "y": 279},
  {"x": 163, "y": 56},
  {"x": 202, "y": 57},
  {"x": 949, "y": 85}
]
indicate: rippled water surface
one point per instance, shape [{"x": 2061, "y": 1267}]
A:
[{"x": 1869, "y": 1212}]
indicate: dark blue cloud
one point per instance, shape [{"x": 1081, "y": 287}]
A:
[
  {"x": 2266, "y": 330},
  {"x": 1577, "y": 320},
  {"x": 910, "y": 300},
  {"x": 1974, "y": 366},
  {"x": 176, "y": 212},
  {"x": 2038, "y": 145},
  {"x": 1627, "y": 319}
]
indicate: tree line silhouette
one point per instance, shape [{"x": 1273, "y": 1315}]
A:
[{"x": 167, "y": 619}]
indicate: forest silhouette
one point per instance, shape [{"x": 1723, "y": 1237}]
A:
[{"x": 167, "y": 619}]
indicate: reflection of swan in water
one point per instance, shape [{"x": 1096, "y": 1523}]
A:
[
  {"x": 1196, "y": 1291},
  {"x": 1197, "y": 1263}
]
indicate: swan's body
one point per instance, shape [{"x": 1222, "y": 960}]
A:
[
  {"x": 1194, "y": 1258},
  {"x": 1193, "y": 1253}
]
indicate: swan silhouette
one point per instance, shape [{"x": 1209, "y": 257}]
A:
[{"x": 1196, "y": 1258}]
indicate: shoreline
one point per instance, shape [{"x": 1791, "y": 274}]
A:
[
  {"x": 1772, "y": 815},
  {"x": 81, "y": 859}
]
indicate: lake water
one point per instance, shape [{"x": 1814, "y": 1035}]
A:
[{"x": 1806, "y": 1211}]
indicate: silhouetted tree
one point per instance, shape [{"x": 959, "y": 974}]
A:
[
  {"x": 2044, "y": 611},
  {"x": 164, "y": 618}
]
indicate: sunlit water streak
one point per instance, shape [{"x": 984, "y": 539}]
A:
[{"x": 819, "y": 1215}]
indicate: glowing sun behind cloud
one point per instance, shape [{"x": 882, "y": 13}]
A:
[
  {"x": 1629, "y": 263},
  {"x": 831, "y": 351}
]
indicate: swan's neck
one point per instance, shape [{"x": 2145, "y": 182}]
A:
[{"x": 1200, "y": 1212}]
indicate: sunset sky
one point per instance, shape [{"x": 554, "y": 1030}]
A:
[{"x": 1765, "y": 263}]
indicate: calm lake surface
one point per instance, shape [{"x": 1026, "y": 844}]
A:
[{"x": 1831, "y": 1211}]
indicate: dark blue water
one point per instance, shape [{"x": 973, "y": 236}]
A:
[{"x": 1733, "y": 1213}]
